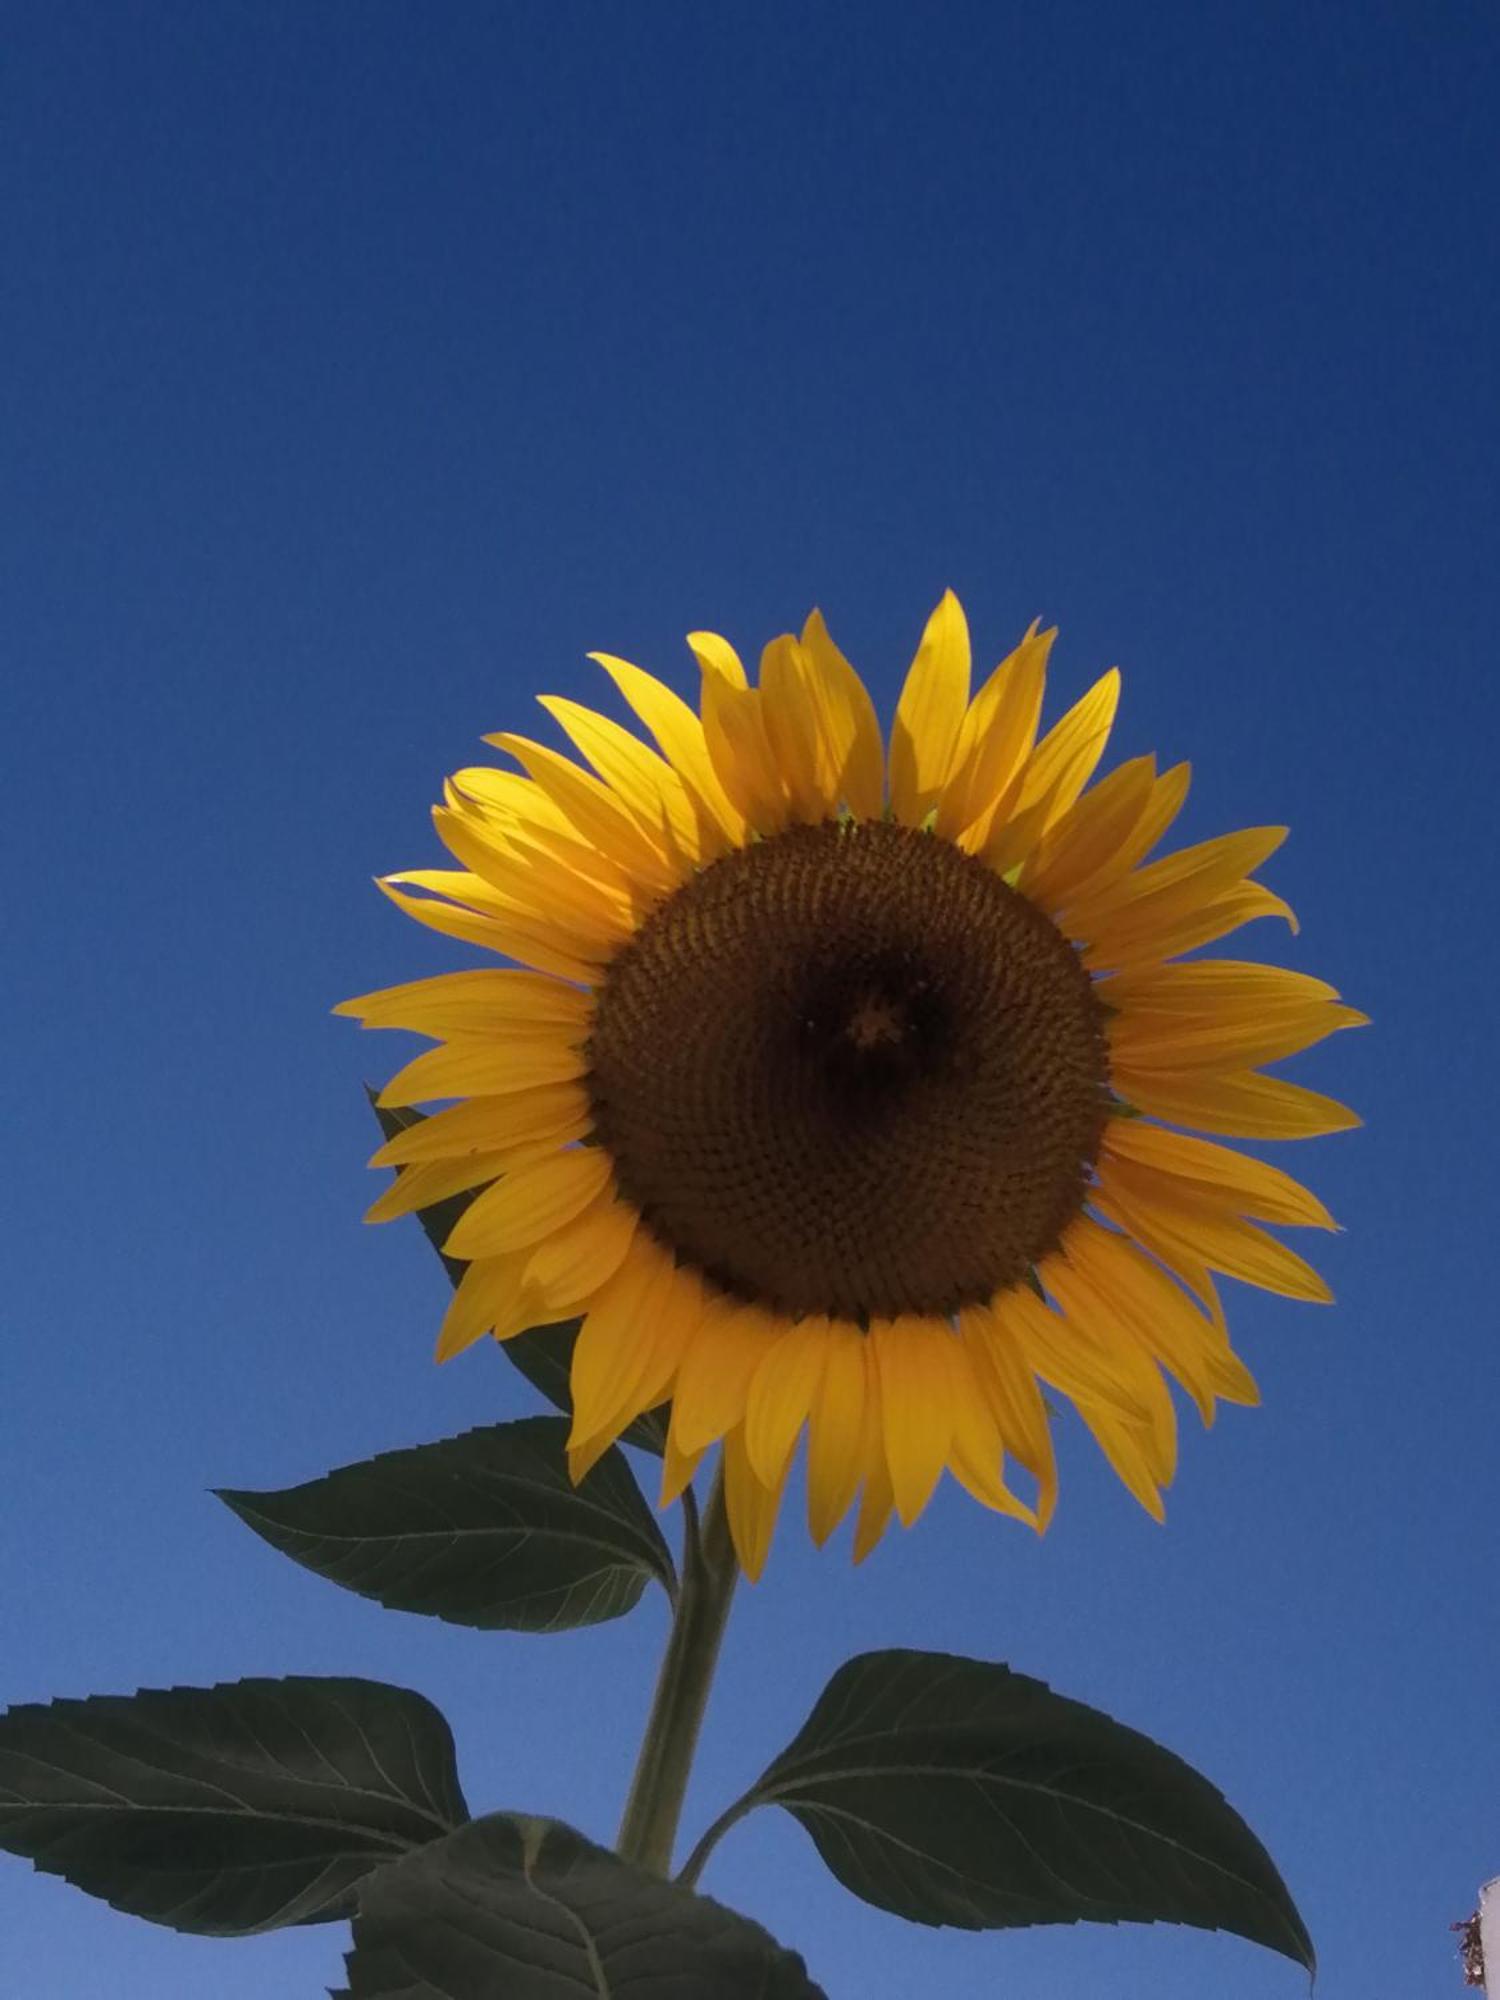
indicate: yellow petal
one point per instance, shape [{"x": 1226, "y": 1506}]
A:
[
  {"x": 571, "y": 1266},
  {"x": 1203, "y": 984},
  {"x": 1187, "y": 923},
  {"x": 593, "y": 811},
  {"x": 646, "y": 785},
  {"x": 930, "y": 714},
  {"x": 739, "y": 746},
  {"x": 792, "y": 731},
  {"x": 640, "y": 1374},
  {"x": 752, "y": 1507},
  {"x": 1193, "y": 875},
  {"x": 481, "y": 1068},
  {"x": 913, "y": 1362},
  {"x": 488, "y": 1294},
  {"x": 577, "y": 913},
  {"x": 836, "y": 1429},
  {"x": 677, "y": 1470},
  {"x": 1223, "y": 1241},
  {"x": 1088, "y": 835},
  {"x": 613, "y": 1351},
  {"x": 713, "y": 1383},
  {"x": 1239, "y": 1104},
  {"x": 679, "y": 734},
  {"x": 1162, "y": 806},
  {"x": 1068, "y": 755},
  {"x": 497, "y": 1001},
  {"x": 511, "y": 938},
  {"x": 1082, "y": 1308},
  {"x": 1217, "y": 1172},
  {"x": 1010, "y": 1389},
  {"x": 716, "y": 656},
  {"x": 1128, "y": 1450},
  {"x": 531, "y": 1202},
  {"x": 848, "y": 729},
  {"x": 1080, "y": 1360},
  {"x": 877, "y": 1502},
  {"x": 781, "y": 1395},
  {"x": 976, "y": 1453},
  {"x": 542, "y": 1119},
  {"x": 419, "y": 1187},
  {"x": 997, "y": 737}
]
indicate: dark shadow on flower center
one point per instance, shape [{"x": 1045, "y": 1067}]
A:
[{"x": 848, "y": 1070}]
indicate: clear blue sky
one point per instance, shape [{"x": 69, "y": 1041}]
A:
[{"x": 365, "y": 365}]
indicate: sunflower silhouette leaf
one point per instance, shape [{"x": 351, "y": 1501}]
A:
[
  {"x": 486, "y": 1529},
  {"x": 953, "y": 1791},
  {"x": 528, "y": 1909},
  {"x": 226, "y": 1810},
  {"x": 543, "y": 1354}
]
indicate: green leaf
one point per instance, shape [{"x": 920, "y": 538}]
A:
[
  {"x": 953, "y": 1791},
  {"x": 544, "y": 1354},
  {"x": 486, "y": 1529},
  {"x": 514, "y": 1908},
  {"x": 228, "y": 1809}
]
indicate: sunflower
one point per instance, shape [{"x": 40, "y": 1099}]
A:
[{"x": 838, "y": 1092}]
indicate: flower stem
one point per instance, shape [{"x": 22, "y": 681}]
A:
[{"x": 648, "y": 1832}]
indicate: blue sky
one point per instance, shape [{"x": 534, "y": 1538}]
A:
[{"x": 366, "y": 365}]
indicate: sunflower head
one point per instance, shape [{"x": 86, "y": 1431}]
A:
[{"x": 840, "y": 1091}]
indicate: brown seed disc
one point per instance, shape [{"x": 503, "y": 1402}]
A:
[{"x": 847, "y": 1070}]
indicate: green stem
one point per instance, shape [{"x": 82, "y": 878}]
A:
[{"x": 648, "y": 1832}]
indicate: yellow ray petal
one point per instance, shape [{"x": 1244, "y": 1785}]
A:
[
  {"x": 481, "y": 1068},
  {"x": 1077, "y": 1358},
  {"x": 594, "y": 811},
  {"x": 537, "y": 829},
  {"x": 1068, "y": 755},
  {"x": 1162, "y": 934},
  {"x": 997, "y": 737},
  {"x": 1206, "y": 983},
  {"x": 917, "y": 1394},
  {"x": 1082, "y": 1308},
  {"x": 836, "y": 1429},
  {"x": 739, "y": 747},
  {"x": 1088, "y": 835},
  {"x": 713, "y": 1384},
  {"x": 1229, "y": 1039},
  {"x": 792, "y": 732},
  {"x": 930, "y": 713},
  {"x": 419, "y": 1187},
  {"x": 1160, "y": 1316},
  {"x": 488, "y": 1294},
  {"x": 609, "y": 1393},
  {"x": 1187, "y": 879},
  {"x": 781, "y": 1395},
  {"x": 499, "y": 1002},
  {"x": 545, "y": 1118},
  {"x": 877, "y": 1502},
  {"x": 1239, "y": 1104},
  {"x": 716, "y": 656},
  {"x": 531, "y": 1202},
  {"x": 646, "y": 784},
  {"x": 977, "y": 1454},
  {"x": 511, "y": 938},
  {"x": 1161, "y": 808},
  {"x": 1223, "y": 1241},
  {"x": 567, "y": 1269},
  {"x": 679, "y": 735},
  {"x": 1010, "y": 1389},
  {"x": 1217, "y": 1172},
  {"x": 1128, "y": 1450},
  {"x": 612, "y": 1355},
  {"x": 542, "y": 892},
  {"x": 849, "y": 732},
  {"x": 677, "y": 1470},
  {"x": 752, "y": 1507}
]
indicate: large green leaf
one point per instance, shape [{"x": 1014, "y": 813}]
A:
[
  {"x": 513, "y": 1908},
  {"x": 953, "y": 1791},
  {"x": 486, "y": 1529},
  {"x": 227, "y": 1809},
  {"x": 544, "y": 1354}
]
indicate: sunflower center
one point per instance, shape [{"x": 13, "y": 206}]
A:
[{"x": 848, "y": 1070}]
